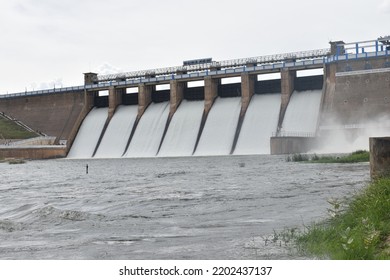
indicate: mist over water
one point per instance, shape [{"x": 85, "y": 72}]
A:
[
  {"x": 164, "y": 208},
  {"x": 338, "y": 138}
]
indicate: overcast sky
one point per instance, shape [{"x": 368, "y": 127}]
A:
[{"x": 47, "y": 42}]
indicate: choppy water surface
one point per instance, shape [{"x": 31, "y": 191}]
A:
[{"x": 175, "y": 208}]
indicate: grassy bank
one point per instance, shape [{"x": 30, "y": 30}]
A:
[
  {"x": 357, "y": 156},
  {"x": 10, "y": 130},
  {"x": 360, "y": 232}
]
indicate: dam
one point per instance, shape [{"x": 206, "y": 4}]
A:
[{"x": 260, "y": 105}]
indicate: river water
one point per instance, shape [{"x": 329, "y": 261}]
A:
[{"x": 164, "y": 208}]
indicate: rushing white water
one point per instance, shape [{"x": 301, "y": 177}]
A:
[
  {"x": 165, "y": 208},
  {"x": 220, "y": 128},
  {"x": 261, "y": 120},
  {"x": 183, "y": 130},
  {"x": 149, "y": 132},
  {"x": 302, "y": 112},
  {"x": 118, "y": 132},
  {"x": 89, "y": 133}
]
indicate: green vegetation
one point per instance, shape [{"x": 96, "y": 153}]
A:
[
  {"x": 298, "y": 157},
  {"x": 16, "y": 161},
  {"x": 10, "y": 130},
  {"x": 357, "y": 156},
  {"x": 359, "y": 232}
]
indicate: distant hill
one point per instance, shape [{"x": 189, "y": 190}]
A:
[{"x": 11, "y": 129}]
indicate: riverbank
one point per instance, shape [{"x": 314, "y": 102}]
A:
[
  {"x": 360, "y": 231},
  {"x": 354, "y": 157}
]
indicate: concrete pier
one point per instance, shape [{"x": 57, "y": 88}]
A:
[
  {"x": 176, "y": 95},
  {"x": 144, "y": 98},
  {"x": 247, "y": 90},
  {"x": 210, "y": 92},
  {"x": 287, "y": 85},
  {"x": 114, "y": 99},
  {"x": 379, "y": 157}
]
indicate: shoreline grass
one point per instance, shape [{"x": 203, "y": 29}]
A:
[
  {"x": 355, "y": 157},
  {"x": 360, "y": 232}
]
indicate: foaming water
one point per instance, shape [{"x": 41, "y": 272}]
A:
[
  {"x": 182, "y": 132},
  {"x": 89, "y": 133},
  {"x": 164, "y": 208},
  {"x": 149, "y": 132},
  {"x": 261, "y": 120},
  {"x": 115, "y": 138},
  {"x": 220, "y": 128},
  {"x": 302, "y": 111}
]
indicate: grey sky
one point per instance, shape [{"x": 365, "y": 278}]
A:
[{"x": 47, "y": 42}]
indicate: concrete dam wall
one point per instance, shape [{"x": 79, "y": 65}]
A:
[
  {"x": 52, "y": 114},
  {"x": 132, "y": 117}
]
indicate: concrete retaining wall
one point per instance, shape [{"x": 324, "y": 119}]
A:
[
  {"x": 46, "y": 152},
  {"x": 36, "y": 141},
  {"x": 292, "y": 145}
]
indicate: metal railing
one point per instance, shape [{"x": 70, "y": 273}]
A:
[
  {"x": 293, "y": 134},
  {"x": 258, "y": 60}
]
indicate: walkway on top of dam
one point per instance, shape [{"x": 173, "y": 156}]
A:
[{"x": 199, "y": 69}]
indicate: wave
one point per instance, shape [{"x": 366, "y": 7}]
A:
[
  {"x": 170, "y": 174},
  {"x": 51, "y": 212},
  {"x": 34, "y": 213},
  {"x": 10, "y": 226}
]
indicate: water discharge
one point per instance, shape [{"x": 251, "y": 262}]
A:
[
  {"x": 261, "y": 120},
  {"x": 117, "y": 134},
  {"x": 181, "y": 136},
  {"x": 149, "y": 132},
  {"x": 220, "y": 128},
  {"x": 89, "y": 133},
  {"x": 217, "y": 135},
  {"x": 302, "y": 112}
]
